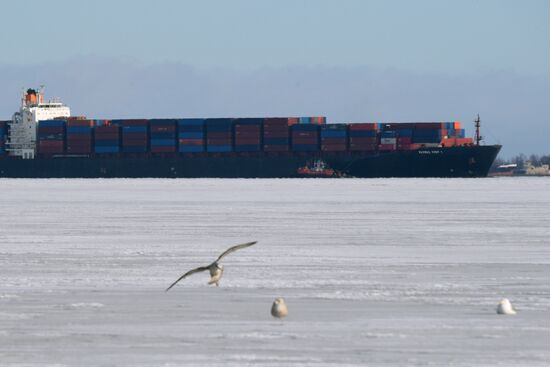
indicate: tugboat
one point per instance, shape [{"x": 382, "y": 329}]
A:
[{"x": 317, "y": 168}]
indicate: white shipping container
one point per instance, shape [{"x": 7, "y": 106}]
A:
[{"x": 388, "y": 141}]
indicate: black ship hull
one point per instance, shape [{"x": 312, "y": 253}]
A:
[{"x": 464, "y": 161}]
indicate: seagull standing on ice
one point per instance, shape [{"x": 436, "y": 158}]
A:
[
  {"x": 279, "y": 309},
  {"x": 505, "y": 307},
  {"x": 216, "y": 270}
]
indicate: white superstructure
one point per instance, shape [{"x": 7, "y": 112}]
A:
[{"x": 22, "y": 137}]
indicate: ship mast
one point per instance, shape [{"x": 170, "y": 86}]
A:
[{"x": 478, "y": 137}]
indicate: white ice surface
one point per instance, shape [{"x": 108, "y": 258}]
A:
[{"x": 374, "y": 272}]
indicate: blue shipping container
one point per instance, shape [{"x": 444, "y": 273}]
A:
[
  {"x": 106, "y": 143},
  {"x": 163, "y": 135},
  {"x": 163, "y": 142},
  {"x": 333, "y": 133},
  {"x": 191, "y": 128},
  {"x": 134, "y": 149},
  {"x": 190, "y": 122},
  {"x": 49, "y": 136},
  {"x": 191, "y": 135},
  {"x": 305, "y": 127},
  {"x": 79, "y": 130},
  {"x": 134, "y": 129},
  {"x": 405, "y": 133},
  {"x": 51, "y": 123},
  {"x": 162, "y": 122}
]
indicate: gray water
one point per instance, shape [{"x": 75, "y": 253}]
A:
[{"x": 374, "y": 272}]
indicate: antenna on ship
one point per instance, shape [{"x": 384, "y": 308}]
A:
[{"x": 478, "y": 137}]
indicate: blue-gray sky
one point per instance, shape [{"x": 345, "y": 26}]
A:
[{"x": 352, "y": 60}]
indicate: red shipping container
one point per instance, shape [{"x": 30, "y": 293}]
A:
[
  {"x": 363, "y": 147},
  {"x": 304, "y": 134},
  {"x": 364, "y": 126},
  {"x": 275, "y": 121},
  {"x": 79, "y": 149},
  {"x": 50, "y": 143},
  {"x": 247, "y": 141},
  {"x": 79, "y": 137},
  {"x": 51, "y": 151},
  {"x": 280, "y": 121},
  {"x": 107, "y": 128},
  {"x": 276, "y": 128},
  {"x": 191, "y": 142},
  {"x": 134, "y": 136},
  {"x": 162, "y": 129},
  {"x": 292, "y": 121},
  {"x": 134, "y": 143},
  {"x": 80, "y": 123},
  {"x": 404, "y": 140},
  {"x": 247, "y": 135},
  {"x": 297, "y": 140},
  {"x": 82, "y": 146},
  {"x": 276, "y": 134},
  {"x": 218, "y": 141},
  {"x": 333, "y": 141},
  {"x": 106, "y": 137},
  {"x": 51, "y": 129},
  {"x": 403, "y": 146},
  {"x": 362, "y": 140},
  {"x": 134, "y": 122},
  {"x": 247, "y": 128},
  {"x": 219, "y": 135}
]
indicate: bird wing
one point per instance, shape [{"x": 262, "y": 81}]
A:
[
  {"x": 202, "y": 268},
  {"x": 235, "y": 248}
]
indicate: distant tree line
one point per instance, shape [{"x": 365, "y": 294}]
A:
[{"x": 522, "y": 159}]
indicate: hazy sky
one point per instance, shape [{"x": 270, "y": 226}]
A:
[{"x": 349, "y": 59}]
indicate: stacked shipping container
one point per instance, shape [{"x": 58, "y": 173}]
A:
[
  {"x": 191, "y": 135},
  {"x": 134, "y": 135},
  {"x": 363, "y": 136},
  {"x": 305, "y": 137},
  {"x": 106, "y": 137},
  {"x": 162, "y": 133},
  {"x": 276, "y": 133},
  {"x": 219, "y": 137},
  {"x": 51, "y": 137},
  {"x": 334, "y": 138},
  {"x": 248, "y": 134},
  {"x": 79, "y": 136}
]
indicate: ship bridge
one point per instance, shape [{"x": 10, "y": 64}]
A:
[{"x": 22, "y": 138}]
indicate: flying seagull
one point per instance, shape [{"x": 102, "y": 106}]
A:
[{"x": 216, "y": 270}]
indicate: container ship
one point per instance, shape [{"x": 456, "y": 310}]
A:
[{"x": 43, "y": 140}]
